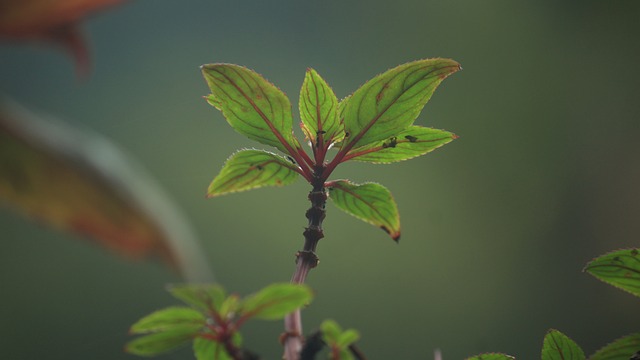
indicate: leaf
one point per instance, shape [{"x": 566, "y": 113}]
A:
[
  {"x": 275, "y": 301},
  {"x": 337, "y": 339},
  {"x": 56, "y": 21},
  {"x": 619, "y": 268},
  {"x": 205, "y": 349},
  {"x": 318, "y": 109},
  {"x": 369, "y": 202},
  {"x": 250, "y": 169},
  {"x": 557, "y": 346},
  {"x": 81, "y": 183},
  {"x": 161, "y": 342},
  {"x": 168, "y": 318},
  {"x": 392, "y": 101},
  {"x": 621, "y": 349},
  {"x": 491, "y": 356},
  {"x": 204, "y": 297},
  {"x": 409, "y": 143},
  {"x": 252, "y": 106}
]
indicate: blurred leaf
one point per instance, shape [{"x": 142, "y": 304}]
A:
[
  {"x": 158, "y": 343},
  {"x": 491, "y": 356},
  {"x": 557, "y": 346},
  {"x": 369, "y": 202},
  {"x": 229, "y": 306},
  {"x": 252, "y": 106},
  {"x": 619, "y": 268},
  {"x": 205, "y": 349},
  {"x": 276, "y": 300},
  {"x": 621, "y": 349},
  {"x": 201, "y": 296},
  {"x": 390, "y": 102},
  {"x": 250, "y": 169},
  {"x": 81, "y": 183},
  {"x": 337, "y": 339},
  {"x": 409, "y": 143},
  {"x": 168, "y": 318},
  {"x": 50, "y": 20},
  {"x": 318, "y": 109}
]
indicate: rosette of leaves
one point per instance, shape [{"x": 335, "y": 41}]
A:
[
  {"x": 375, "y": 124},
  {"x": 213, "y": 319}
]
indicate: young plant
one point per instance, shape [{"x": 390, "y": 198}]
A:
[{"x": 374, "y": 124}]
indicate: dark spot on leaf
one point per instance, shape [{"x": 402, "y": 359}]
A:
[
  {"x": 291, "y": 159},
  {"x": 259, "y": 167},
  {"x": 617, "y": 258},
  {"x": 320, "y": 132},
  {"x": 391, "y": 143},
  {"x": 411, "y": 138},
  {"x": 634, "y": 252},
  {"x": 346, "y": 134}
]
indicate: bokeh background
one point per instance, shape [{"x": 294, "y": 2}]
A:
[{"x": 496, "y": 225}]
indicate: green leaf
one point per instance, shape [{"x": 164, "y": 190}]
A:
[
  {"x": 369, "y": 202},
  {"x": 275, "y": 301},
  {"x": 318, "y": 109},
  {"x": 229, "y": 306},
  {"x": 205, "y": 349},
  {"x": 409, "y": 143},
  {"x": 337, "y": 339},
  {"x": 205, "y": 297},
  {"x": 158, "y": 343},
  {"x": 168, "y": 318},
  {"x": 392, "y": 101},
  {"x": 330, "y": 331},
  {"x": 557, "y": 346},
  {"x": 250, "y": 169},
  {"x": 621, "y": 349},
  {"x": 491, "y": 356},
  {"x": 347, "y": 338},
  {"x": 252, "y": 106},
  {"x": 619, "y": 268}
]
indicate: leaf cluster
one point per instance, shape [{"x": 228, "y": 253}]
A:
[
  {"x": 375, "y": 124},
  {"x": 212, "y": 319}
]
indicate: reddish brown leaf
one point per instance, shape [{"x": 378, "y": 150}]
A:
[
  {"x": 51, "y": 21},
  {"x": 82, "y": 184}
]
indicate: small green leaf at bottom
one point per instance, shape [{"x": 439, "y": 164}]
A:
[
  {"x": 205, "y": 349},
  {"x": 621, "y": 349},
  {"x": 619, "y": 268},
  {"x": 275, "y": 301},
  {"x": 557, "y": 346},
  {"x": 161, "y": 342},
  {"x": 250, "y": 169},
  {"x": 369, "y": 202},
  {"x": 167, "y": 319}
]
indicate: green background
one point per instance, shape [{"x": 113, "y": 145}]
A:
[{"x": 497, "y": 225}]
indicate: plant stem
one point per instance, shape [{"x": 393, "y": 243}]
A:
[{"x": 306, "y": 260}]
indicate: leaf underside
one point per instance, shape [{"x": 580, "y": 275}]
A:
[
  {"x": 390, "y": 102},
  {"x": 621, "y": 349},
  {"x": 253, "y": 106},
  {"x": 619, "y": 268},
  {"x": 369, "y": 202},
  {"x": 557, "y": 346},
  {"x": 250, "y": 169},
  {"x": 407, "y": 144}
]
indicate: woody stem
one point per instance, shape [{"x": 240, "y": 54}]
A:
[{"x": 306, "y": 260}]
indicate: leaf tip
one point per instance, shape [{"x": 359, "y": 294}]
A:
[{"x": 454, "y": 136}]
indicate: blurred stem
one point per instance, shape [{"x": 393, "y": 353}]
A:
[{"x": 306, "y": 260}]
